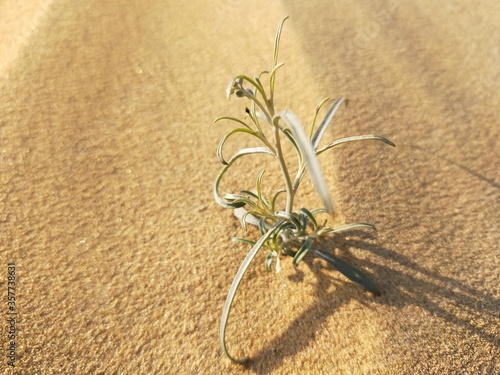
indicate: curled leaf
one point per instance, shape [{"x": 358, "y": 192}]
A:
[
  {"x": 239, "y": 154},
  {"x": 234, "y": 287},
  {"x": 269, "y": 260},
  {"x": 227, "y": 136}
]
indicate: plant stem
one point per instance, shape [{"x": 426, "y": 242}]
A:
[{"x": 284, "y": 169}]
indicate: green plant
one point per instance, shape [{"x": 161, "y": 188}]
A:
[{"x": 284, "y": 230}]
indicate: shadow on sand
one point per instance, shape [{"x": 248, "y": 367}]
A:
[{"x": 415, "y": 286}]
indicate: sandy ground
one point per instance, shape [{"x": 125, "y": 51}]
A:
[{"x": 107, "y": 159}]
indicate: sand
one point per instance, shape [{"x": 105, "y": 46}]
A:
[{"x": 107, "y": 160}]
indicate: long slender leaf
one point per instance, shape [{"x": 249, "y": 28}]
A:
[
  {"x": 277, "y": 42},
  {"x": 234, "y": 287},
  {"x": 318, "y": 211},
  {"x": 232, "y": 197},
  {"x": 228, "y": 135},
  {"x": 318, "y": 108},
  {"x": 273, "y": 202},
  {"x": 262, "y": 226},
  {"x": 250, "y": 193},
  {"x": 255, "y": 118},
  {"x": 259, "y": 187},
  {"x": 310, "y": 158},
  {"x": 355, "y": 139},
  {"x": 343, "y": 228},
  {"x": 290, "y": 218},
  {"x": 239, "y": 154},
  {"x": 289, "y": 251},
  {"x": 269, "y": 260},
  {"x": 243, "y": 240},
  {"x": 326, "y": 122},
  {"x": 311, "y": 217},
  {"x": 303, "y": 227},
  {"x": 237, "y": 199},
  {"x": 290, "y": 138},
  {"x": 232, "y": 119},
  {"x": 243, "y": 220},
  {"x": 351, "y": 272},
  {"x": 246, "y": 216},
  {"x": 272, "y": 78},
  {"x": 302, "y": 251}
]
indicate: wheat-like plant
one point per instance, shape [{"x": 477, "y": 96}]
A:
[{"x": 285, "y": 230}]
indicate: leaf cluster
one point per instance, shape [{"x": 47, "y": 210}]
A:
[{"x": 284, "y": 230}]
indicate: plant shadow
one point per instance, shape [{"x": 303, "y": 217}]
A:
[{"x": 412, "y": 285}]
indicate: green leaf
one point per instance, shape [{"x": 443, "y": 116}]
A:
[
  {"x": 288, "y": 134},
  {"x": 289, "y": 252},
  {"x": 303, "y": 227},
  {"x": 351, "y": 272},
  {"x": 269, "y": 260},
  {"x": 234, "y": 287},
  {"x": 310, "y": 216},
  {"x": 326, "y": 122},
  {"x": 290, "y": 218},
  {"x": 253, "y": 116},
  {"x": 232, "y": 119},
  {"x": 228, "y": 135},
  {"x": 262, "y": 225},
  {"x": 259, "y": 187},
  {"x": 246, "y": 217},
  {"x": 243, "y": 240},
  {"x": 241, "y": 201},
  {"x": 318, "y": 108},
  {"x": 239, "y": 154},
  {"x": 273, "y": 202},
  {"x": 277, "y": 42},
  {"x": 355, "y": 139},
  {"x": 254, "y": 83},
  {"x": 272, "y": 78},
  {"x": 250, "y": 193},
  {"x": 302, "y": 251},
  {"x": 343, "y": 228},
  {"x": 310, "y": 158},
  {"x": 249, "y": 151},
  {"x": 233, "y": 197},
  {"x": 285, "y": 226}
]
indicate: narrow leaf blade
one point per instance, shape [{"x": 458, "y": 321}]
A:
[
  {"x": 310, "y": 158},
  {"x": 351, "y": 272},
  {"x": 355, "y": 139},
  {"x": 346, "y": 227},
  {"x": 239, "y": 154},
  {"x": 227, "y": 136},
  {"x": 302, "y": 251},
  {"x": 326, "y": 122},
  {"x": 234, "y": 287}
]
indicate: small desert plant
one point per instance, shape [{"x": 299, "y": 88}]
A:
[{"x": 285, "y": 230}]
